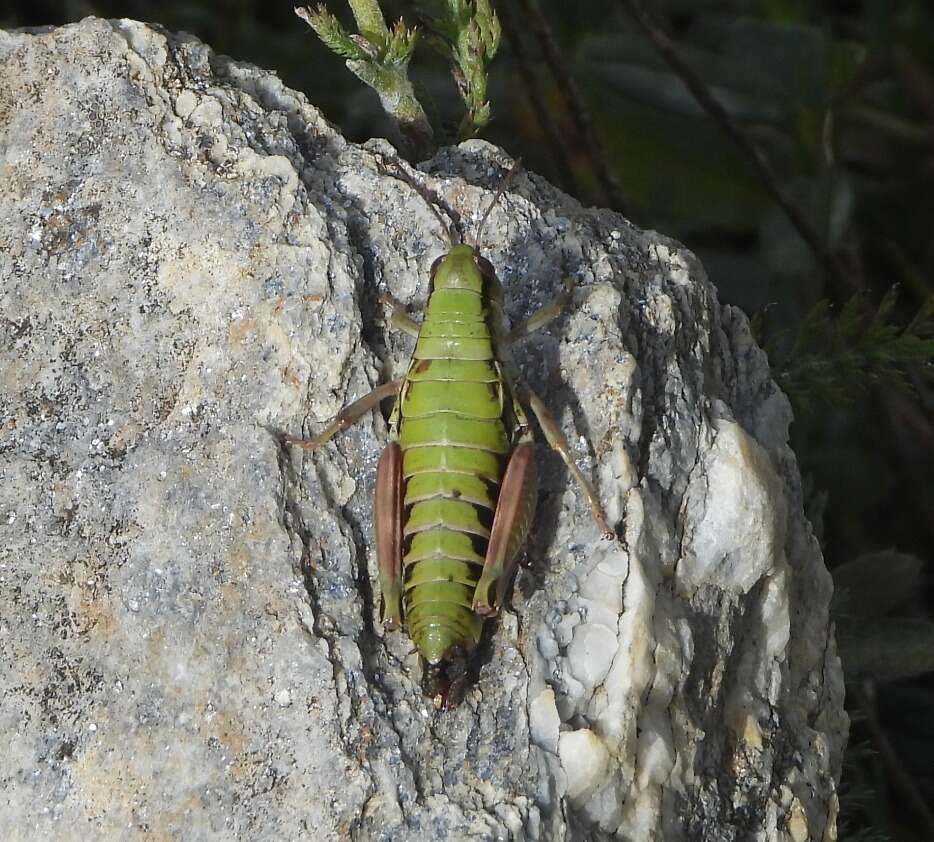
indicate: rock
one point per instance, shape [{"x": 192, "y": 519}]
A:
[
  {"x": 584, "y": 760},
  {"x": 190, "y": 261},
  {"x": 544, "y": 721}
]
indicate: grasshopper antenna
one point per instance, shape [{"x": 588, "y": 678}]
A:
[
  {"x": 403, "y": 174},
  {"x": 507, "y": 179}
]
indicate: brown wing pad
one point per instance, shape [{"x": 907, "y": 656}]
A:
[
  {"x": 514, "y": 511},
  {"x": 388, "y": 520}
]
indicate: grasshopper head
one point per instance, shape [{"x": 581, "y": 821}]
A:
[{"x": 463, "y": 267}]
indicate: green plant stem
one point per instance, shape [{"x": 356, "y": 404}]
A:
[
  {"x": 370, "y": 20},
  {"x": 379, "y": 57},
  {"x": 398, "y": 99}
]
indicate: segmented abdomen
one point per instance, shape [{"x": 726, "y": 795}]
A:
[{"x": 454, "y": 445}]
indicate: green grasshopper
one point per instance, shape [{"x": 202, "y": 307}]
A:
[{"x": 456, "y": 485}]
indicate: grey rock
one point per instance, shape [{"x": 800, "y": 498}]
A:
[{"x": 190, "y": 261}]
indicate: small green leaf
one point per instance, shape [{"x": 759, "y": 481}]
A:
[
  {"x": 329, "y": 29},
  {"x": 835, "y": 358},
  {"x": 490, "y": 30},
  {"x": 874, "y": 584},
  {"x": 886, "y": 649},
  {"x": 401, "y": 44}
]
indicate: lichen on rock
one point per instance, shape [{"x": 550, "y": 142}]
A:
[{"x": 190, "y": 260}]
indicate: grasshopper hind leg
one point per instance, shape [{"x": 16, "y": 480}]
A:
[
  {"x": 388, "y": 520},
  {"x": 515, "y": 509},
  {"x": 559, "y": 443}
]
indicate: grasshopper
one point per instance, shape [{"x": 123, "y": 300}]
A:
[{"x": 456, "y": 485}]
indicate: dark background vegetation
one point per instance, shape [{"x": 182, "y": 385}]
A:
[{"x": 839, "y": 96}]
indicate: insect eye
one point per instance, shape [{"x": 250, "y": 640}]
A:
[{"x": 485, "y": 266}]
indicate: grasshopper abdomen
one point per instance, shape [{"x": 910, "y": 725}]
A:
[{"x": 455, "y": 439}]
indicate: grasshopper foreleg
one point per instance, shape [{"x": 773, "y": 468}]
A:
[
  {"x": 348, "y": 416},
  {"x": 558, "y": 442},
  {"x": 398, "y": 318},
  {"x": 543, "y": 316}
]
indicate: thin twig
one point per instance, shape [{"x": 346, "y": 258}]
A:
[
  {"x": 556, "y": 141},
  {"x": 712, "y": 106},
  {"x": 579, "y": 113},
  {"x": 866, "y": 698}
]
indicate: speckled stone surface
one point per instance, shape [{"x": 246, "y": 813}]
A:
[{"x": 191, "y": 258}]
